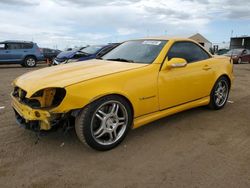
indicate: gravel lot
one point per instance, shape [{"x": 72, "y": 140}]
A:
[{"x": 196, "y": 148}]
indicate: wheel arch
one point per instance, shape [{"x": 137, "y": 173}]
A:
[
  {"x": 227, "y": 77},
  {"x": 220, "y": 76},
  {"x": 30, "y": 55},
  {"x": 212, "y": 104},
  {"x": 114, "y": 94}
]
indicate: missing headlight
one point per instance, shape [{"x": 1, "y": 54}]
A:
[
  {"x": 59, "y": 96},
  {"x": 49, "y": 97},
  {"x": 38, "y": 94}
]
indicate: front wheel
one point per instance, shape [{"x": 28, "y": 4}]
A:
[
  {"x": 219, "y": 94},
  {"x": 104, "y": 123}
]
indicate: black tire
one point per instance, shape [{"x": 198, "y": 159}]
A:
[
  {"x": 218, "y": 92},
  {"x": 84, "y": 123},
  {"x": 30, "y": 61}
]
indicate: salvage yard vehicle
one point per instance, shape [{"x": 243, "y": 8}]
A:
[
  {"x": 136, "y": 83},
  {"x": 239, "y": 55},
  {"x": 20, "y": 52},
  {"x": 50, "y": 54},
  {"x": 64, "y": 56},
  {"x": 83, "y": 54}
]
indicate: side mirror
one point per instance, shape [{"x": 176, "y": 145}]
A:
[{"x": 176, "y": 63}]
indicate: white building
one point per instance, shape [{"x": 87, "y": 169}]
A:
[{"x": 202, "y": 41}]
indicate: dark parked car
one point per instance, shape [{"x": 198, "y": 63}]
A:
[
  {"x": 20, "y": 52},
  {"x": 50, "y": 53},
  {"x": 90, "y": 52},
  {"x": 239, "y": 55},
  {"x": 222, "y": 51},
  {"x": 64, "y": 56}
]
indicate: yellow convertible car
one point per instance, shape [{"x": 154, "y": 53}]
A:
[{"x": 137, "y": 82}]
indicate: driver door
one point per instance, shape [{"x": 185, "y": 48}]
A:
[{"x": 185, "y": 84}]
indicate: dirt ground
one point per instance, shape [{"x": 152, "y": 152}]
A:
[{"x": 196, "y": 148}]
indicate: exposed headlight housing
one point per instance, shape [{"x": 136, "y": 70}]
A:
[{"x": 49, "y": 97}]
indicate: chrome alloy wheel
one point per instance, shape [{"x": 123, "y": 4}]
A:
[
  {"x": 221, "y": 93},
  {"x": 109, "y": 122},
  {"x": 30, "y": 62}
]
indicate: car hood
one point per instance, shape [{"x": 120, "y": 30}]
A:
[{"x": 68, "y": 74}]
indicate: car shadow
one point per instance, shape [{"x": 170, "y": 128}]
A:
[{"x": 166, "y": 124}]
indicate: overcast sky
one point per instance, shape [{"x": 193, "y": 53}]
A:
[{"x": 67, "y": 23}]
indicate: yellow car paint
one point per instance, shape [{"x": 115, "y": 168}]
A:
[
  {"x": 160, "y": 114},
  {"x": 153, "y": 90}
]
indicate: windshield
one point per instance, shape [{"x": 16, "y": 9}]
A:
[
  {"x": 137, "y": 51},
  {"x": 234, "y": 52},
  {"x": 91, "y": 49}
]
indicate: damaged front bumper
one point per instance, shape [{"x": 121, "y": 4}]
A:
[{"x": 34, "y": 119}]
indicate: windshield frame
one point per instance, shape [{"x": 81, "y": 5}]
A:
[{"x": 165, "y": 41}]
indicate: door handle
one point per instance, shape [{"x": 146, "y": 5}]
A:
[
  {"x": 206, "y": 67},
  {"x": 7, "y": 52}
]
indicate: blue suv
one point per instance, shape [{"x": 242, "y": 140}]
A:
[{"x": 20, "y": 52}]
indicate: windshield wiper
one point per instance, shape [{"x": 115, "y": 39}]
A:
[{"x": 121, "y": 59}]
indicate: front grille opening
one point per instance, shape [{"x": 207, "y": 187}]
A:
[
  {"x": 33, "y": 103},
  {"x": 20, "y": 93}
]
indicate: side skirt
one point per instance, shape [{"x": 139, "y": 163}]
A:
[{"x": 142, "y": 120}]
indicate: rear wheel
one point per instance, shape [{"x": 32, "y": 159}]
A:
[
  {"x": 219, "y": 94},
  {"x": 104, "y": 123},
  {"x": 30, "y": 61}
]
